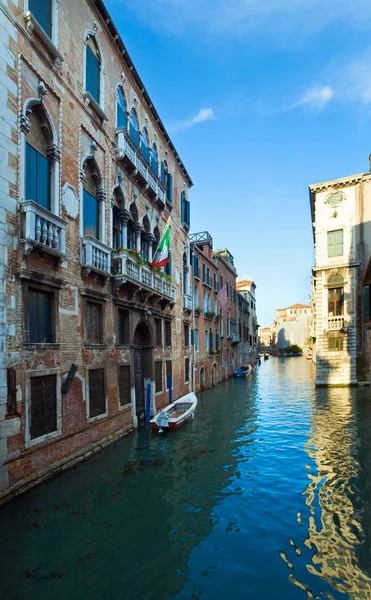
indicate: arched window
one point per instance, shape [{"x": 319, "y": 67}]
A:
[
  {"x": 145, "y": 145},
  {"x": 185, "y": 272},
  {"x": 38, "y": 165},
  {"x": 132, "y": 239},
  {"x": 144, "y": 247},
  {"x": 221, "y": 323},
  {"x": 116, "y": 229},
  {"x": 134, "y": 127},
  {"x": 92, "y": 69},
  {"x": 154, "y": 159},
  {"x": 91, "y": 203},
  {"x": 120, "y": 109}
]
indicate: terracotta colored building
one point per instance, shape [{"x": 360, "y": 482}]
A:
[{"x": 90, "y": 178}]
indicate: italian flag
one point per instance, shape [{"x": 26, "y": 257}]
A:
[{"x": 162, "y": 252}]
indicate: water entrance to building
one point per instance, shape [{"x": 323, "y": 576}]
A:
[
  {"x": 142, "y": 368},
  {"x": 265, "y": 494}
]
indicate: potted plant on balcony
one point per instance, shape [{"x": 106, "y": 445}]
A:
[
  {"x": 209, "y": 314},
  {"x": 198, "y": 311},
  {"x": 217, "y": 317}
]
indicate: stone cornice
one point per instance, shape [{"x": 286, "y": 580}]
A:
[
  {"x": 338, "y": 183},
  {"x": 210, "y": 260},
  {"x": 337, "y": 266}
]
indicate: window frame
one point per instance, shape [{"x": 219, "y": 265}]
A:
[
  {"x": 29, "y": 442},
  {"x": 87, "y": 395},
  {"x": 187, "y": 359},
  {"x": 99, "y": 302},
  {"x": 159, "y": 362},
  {"x": 168, "y": 328},
  {"x": 128, "y": 404},
  {"x": 158, "y": 325},
  {"x": 55, "y": 303},
  {"x": 120, "y": 310},
  {"x": 335, "y": 253}
]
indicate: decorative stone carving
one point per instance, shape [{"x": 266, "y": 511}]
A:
[
  {"x": 70, "y": 200},
  {"x": 24, "y": 123},
  {"x": 93, "y": 147},
  {"x": 101, "y": 194},
  {"x": 42, "y": 89},
  {"x": 124, "y": 216},
  {"x": 53, "y": 152},
  {"x": 82, "y": 176}
]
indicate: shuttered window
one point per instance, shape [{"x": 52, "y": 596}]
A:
[
  {"x": 40, "y": 327},
  {"x": 91, "y": 209},
  {"x": 123, "y": 327},
  {"x": 336, "y": 344},
  {"x": 335, "y": 246},
  {"x": 196, "y": 272},
  {"x": 93, "y": 73},
  {"x": 97, "y": 393},
  {"x": 38, "y": 177},
  {"x": 124, "y": 385},
  {"x": 93, "y": 323},
  {"x": 43, "y": 405},
  {"x": 186, "y": 335},
  {"x": 158, "y": 376},
  {"x": 169, "y": 188},
  {"x": 158, "y": 331},
  {"x": 42, "y": 11}
]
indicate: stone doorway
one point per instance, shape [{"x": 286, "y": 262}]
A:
[{"x": 142, "y": 368}]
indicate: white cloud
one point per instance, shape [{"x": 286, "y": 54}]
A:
[
  {"x": 204, "y": 114},
  {"x": 315, "y": 97}
]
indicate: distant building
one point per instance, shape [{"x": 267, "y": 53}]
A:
[
  {"x": 265, "y": 337},
  {"x": 247, "y": 322},
  {"x": 292, "y": 325},
  {"x": 341, "y": 219},
  {"x": 215, "y": 334}
]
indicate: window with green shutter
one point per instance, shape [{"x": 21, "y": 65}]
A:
[{"x": 335, "y": 243}]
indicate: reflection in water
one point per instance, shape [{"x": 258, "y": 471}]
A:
[
  {"x": 214, "y": 511},
  {"x": 335, "y": 528}
]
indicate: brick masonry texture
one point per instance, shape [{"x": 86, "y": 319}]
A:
[{"x": 26, "y": 61}]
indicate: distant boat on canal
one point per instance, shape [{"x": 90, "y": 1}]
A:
[
  {"x": 176, "y": 414},
  {"x": 266, "y": 356},
  {"x": 242, "y": 372}
]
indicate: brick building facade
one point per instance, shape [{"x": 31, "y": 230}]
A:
[{"x": 89, "y": 180}]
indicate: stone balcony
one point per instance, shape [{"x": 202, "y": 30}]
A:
[
  {"x": 334, "y": 323},
  {"x": 95, "y": 256},
  {"x": 126, "y": 269},
  {"x": 187, "y": 302},
  {"x": 128, "y": 151},
  {"x": 235, "y": 338},
  {"x": 42, "y": 229}
]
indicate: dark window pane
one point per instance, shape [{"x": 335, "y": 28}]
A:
[
  {"x": 90, "y": 215},
  {"x": 97, "y": 393},
  {"x": 158, "y": 325},
  {"x": 167, "y": 333},
  {"x": 124, "y": 385},
  {"x": 158, "y": 376},
  {"x": 39, "y": 317},
  {"x": 169, "y": 372},
  {"x": 43, "y": 405},
  {"x": 123, "y": 318},
  {"x": 93, "y": 323},
  {"x": 186, "y": 370},
  {"x": 31, "y": 177},
  {"x": 92, "y": 73}
]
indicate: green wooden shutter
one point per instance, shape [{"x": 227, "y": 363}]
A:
[
  {"x": 330, "y": 243},
  {"x": 187, "y": 211},
  {"x": 170, "y": 188},
  {"x": 163, "y": 172},
  {"x": 339, "y": 242},
  {"x": 182, "y": 206}
]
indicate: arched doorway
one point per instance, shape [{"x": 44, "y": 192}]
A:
[
  {"x": 202, "y": 378},
  {"x": 142, "y": 368},
  {"x": 214, "y": 375}
]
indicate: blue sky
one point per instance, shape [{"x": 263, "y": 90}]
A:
[{"x": 261, "y": 98}]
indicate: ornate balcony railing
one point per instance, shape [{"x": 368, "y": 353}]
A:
[
  {"x": 42, "y": 228},
  {"x": 126, "y": 148},
  {"x": 335, "y": 323},
  {"x": 187, "y": 301},
  {"x": 127, "y": 269},
  {"x": 95, "y": 255}
]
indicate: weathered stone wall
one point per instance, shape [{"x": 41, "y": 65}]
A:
[{"x": 29, "y": 70}]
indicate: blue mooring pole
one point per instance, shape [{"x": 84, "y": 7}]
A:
[
  {"x": 170, "y": 388},
  {"x": 148, "y": 405}
]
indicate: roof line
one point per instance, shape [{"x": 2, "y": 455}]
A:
[{"x": 126, "y": 57}]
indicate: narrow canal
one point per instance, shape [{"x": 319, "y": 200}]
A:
[{"x": 266, "y": 494}]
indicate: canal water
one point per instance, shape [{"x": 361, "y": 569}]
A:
[{"x": 265, "y": 495}]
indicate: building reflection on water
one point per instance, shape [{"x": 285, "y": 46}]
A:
[{"x": 336, "y": 532}]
